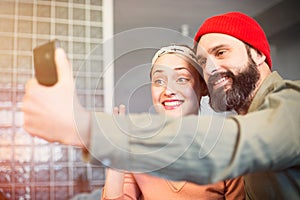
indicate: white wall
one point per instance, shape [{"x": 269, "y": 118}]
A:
[{"x": 286, "y": 52}]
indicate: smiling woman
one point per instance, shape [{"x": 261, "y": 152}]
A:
[{"x": 177, "y": 86}]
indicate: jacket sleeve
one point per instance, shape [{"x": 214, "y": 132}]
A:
[{"x": 203, "y": 149}]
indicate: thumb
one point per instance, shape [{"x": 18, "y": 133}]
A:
[{"x": 63, "y": 65}]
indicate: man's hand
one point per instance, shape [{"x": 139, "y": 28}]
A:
[{"x": 53, "y": 113}]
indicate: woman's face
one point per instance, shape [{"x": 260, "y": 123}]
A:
[{"x": 175, "y": 86}]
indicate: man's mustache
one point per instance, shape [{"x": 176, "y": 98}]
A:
[{"x": 215, "y": 77}]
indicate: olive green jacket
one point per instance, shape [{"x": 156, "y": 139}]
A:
[{"x": 264, "y": 144}]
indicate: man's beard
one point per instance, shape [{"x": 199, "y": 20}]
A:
[{"x": 239, "y": 96}]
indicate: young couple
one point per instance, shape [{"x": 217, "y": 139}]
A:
[{"x": 261, "y": 142}]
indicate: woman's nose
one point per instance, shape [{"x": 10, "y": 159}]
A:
[{"x": 170, "y": 89}]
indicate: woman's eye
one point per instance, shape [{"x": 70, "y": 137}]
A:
[
  {"x": 182, "y": 80},
  {"x": 159, "y": 82}
]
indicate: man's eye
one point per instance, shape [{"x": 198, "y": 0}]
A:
[{"x": 221, "y": 53}]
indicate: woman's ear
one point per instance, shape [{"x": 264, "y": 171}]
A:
[{"x": 257, "y": 56}]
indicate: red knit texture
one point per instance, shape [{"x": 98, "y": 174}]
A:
[{"x": 240, "y": 26}]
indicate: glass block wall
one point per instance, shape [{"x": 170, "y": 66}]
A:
[{"x": 31, "y": 168}]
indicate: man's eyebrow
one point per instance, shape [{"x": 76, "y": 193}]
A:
[{"x": 214, "y": 49}]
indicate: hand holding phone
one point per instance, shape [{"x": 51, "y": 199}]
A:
[{"x": 44, "y": 63}]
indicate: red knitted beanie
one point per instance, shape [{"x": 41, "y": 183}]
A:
[{"x": 240, "y": 26}]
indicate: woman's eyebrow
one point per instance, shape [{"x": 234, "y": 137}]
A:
[
  {"x": 180, "y": 68},
  {"x": 157, "y": 71},
  {"x": 175, "y": 69},
  {"x": 183, "y": 68}
]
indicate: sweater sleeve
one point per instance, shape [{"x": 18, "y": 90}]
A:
[
  {"x": 234, "y": 189},
  {"x": 131, "y": 190}
]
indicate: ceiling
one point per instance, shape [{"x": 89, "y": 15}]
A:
[
  {"x": 273, "y": 15},
  {"x": 173, "y": 14}
]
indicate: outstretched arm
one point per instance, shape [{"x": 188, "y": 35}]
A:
[
  {"x": 195, "y": 148},
  {"x": 206, "y": 149}
]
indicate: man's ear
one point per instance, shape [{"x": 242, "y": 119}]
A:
[{"x": 257, "y": 56}]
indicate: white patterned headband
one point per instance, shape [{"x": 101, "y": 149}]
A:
[{"x": 185, "y": 51}]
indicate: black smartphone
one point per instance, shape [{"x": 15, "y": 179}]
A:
[{"x": 44, "y": 63}]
